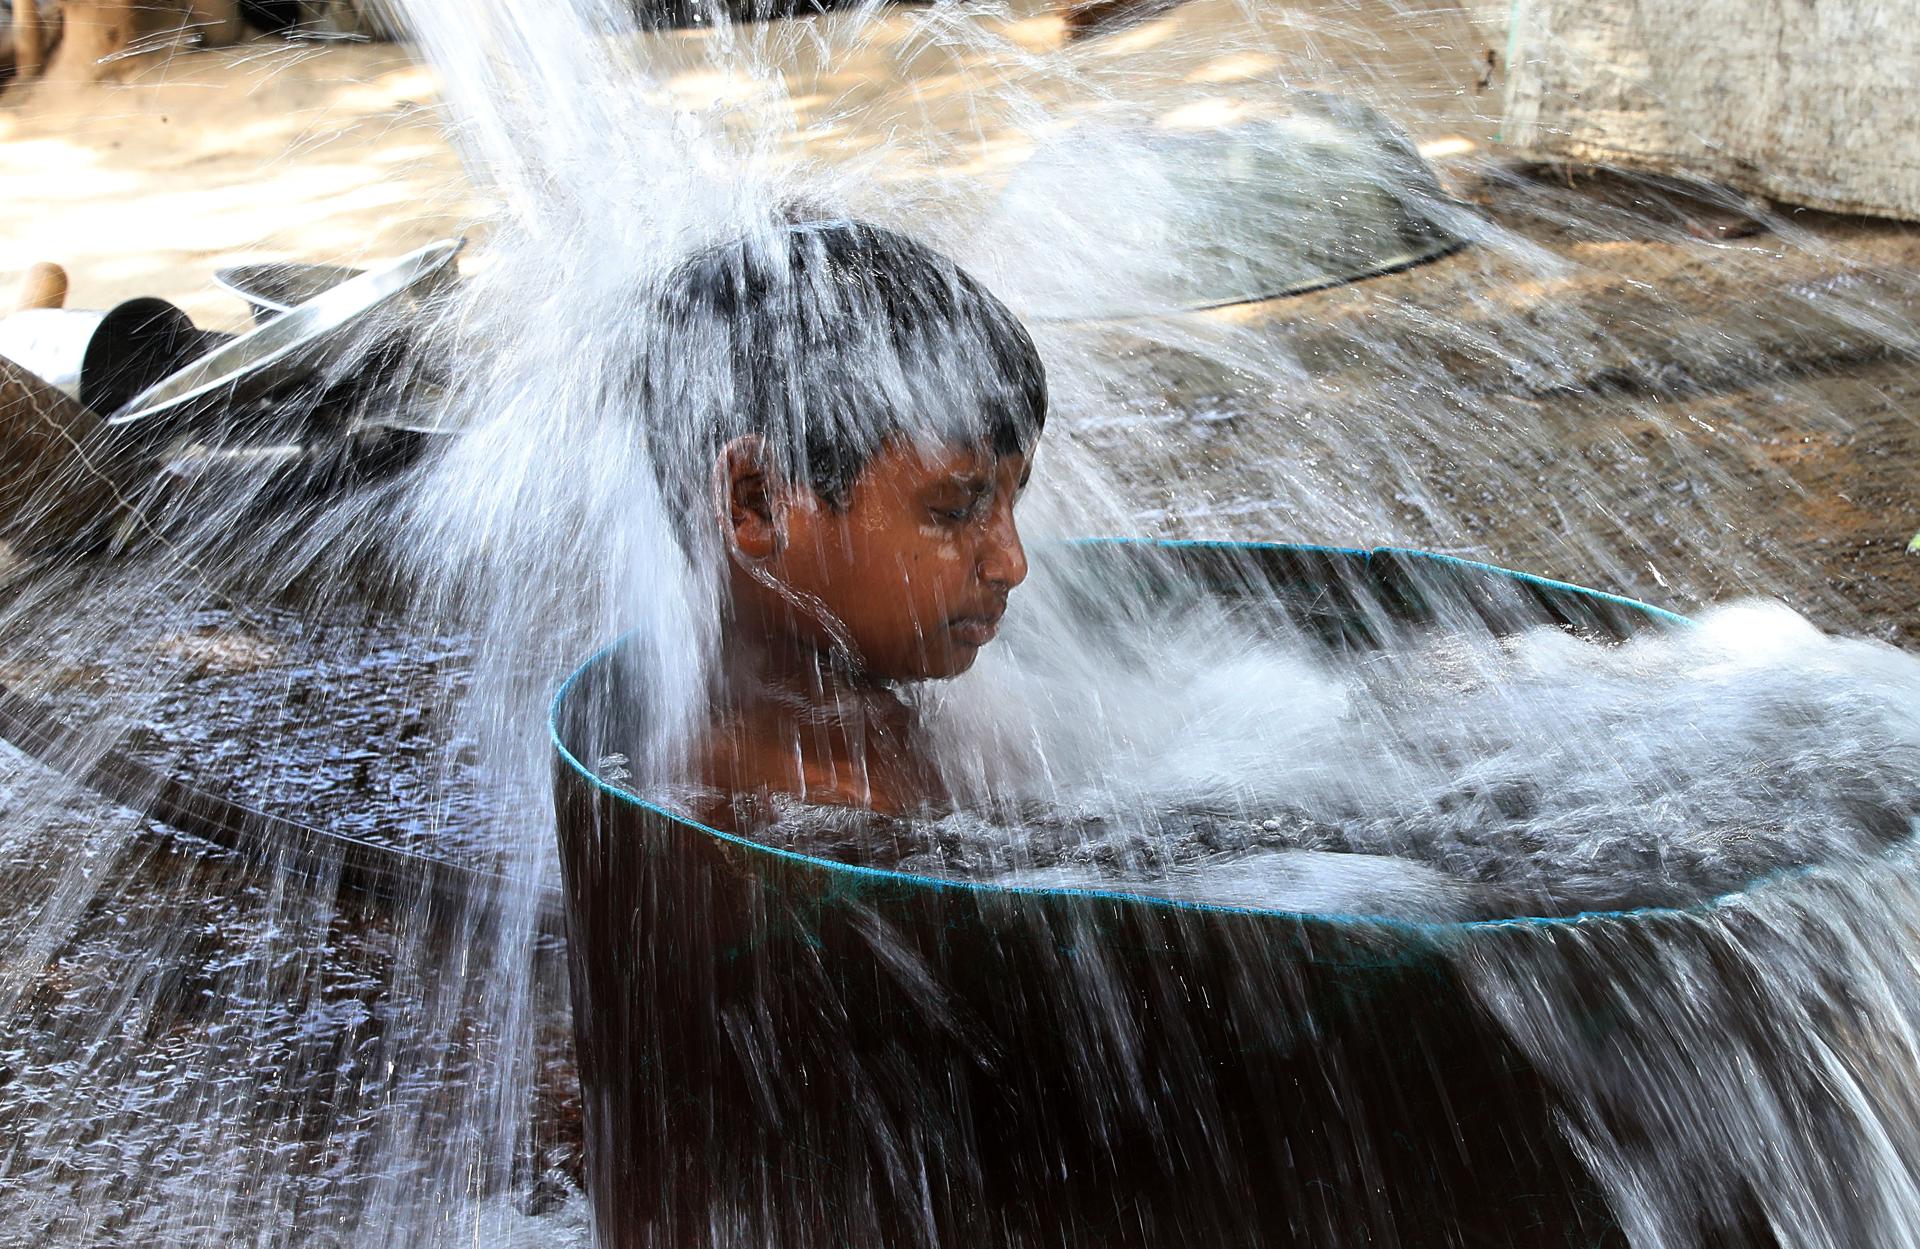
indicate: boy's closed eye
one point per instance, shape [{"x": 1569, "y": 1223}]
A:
[
  {"x": 962, "y": 500},
  {"x": 968, "y": 498}
]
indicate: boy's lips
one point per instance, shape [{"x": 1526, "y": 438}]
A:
[{"x": 974, "y": 630}]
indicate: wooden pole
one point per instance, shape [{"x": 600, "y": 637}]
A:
[
  {"x": 97, "y": 35},
  {"x": 45, "y": 286},
  {"x": 29, "y": 39}
]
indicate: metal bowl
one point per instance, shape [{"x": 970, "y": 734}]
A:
[
  {"x": 272, "y": 289},
  {"x": 323, "y": 331},
  {"x": 1119, "y": 220}
]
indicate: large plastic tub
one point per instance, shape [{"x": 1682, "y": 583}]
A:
[{"x": 778, "y": 1050}]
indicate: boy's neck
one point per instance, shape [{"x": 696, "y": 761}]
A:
[
  {"x": 801, "y": 722},
  {"x": 753, "y": 669}
]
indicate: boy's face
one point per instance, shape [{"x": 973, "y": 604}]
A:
[{"x": 916, "y": 569}]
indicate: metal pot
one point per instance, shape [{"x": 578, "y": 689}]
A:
[
  {"x": 135, "y": 345},
  {"x": 781, "y": 1049},
  {"x": 318, "y": 342}
]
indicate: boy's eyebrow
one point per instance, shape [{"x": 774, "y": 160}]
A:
[{"x": 981, "y": 482}]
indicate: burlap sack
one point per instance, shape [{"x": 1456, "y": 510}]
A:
[{"x": 56, "y": 489}]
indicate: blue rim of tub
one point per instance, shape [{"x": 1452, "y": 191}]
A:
[{"x": 1421, "y": 928}]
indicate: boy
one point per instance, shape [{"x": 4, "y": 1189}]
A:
[{"x": 861, "y": 414}]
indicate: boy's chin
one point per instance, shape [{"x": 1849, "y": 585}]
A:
[{"x": 950, "y": 662}]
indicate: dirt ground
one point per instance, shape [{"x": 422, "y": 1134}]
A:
[
  {"x": 1681, "y": 419},
  {"x": 270, "y": 151},
  {"x": 144, "y": 185}
]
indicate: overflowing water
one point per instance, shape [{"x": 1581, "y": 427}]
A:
[
  {"x": 1742, "y": 1077},
  {"x": 1465, "y": 777},
  {"x": 199, "y": 1048}
]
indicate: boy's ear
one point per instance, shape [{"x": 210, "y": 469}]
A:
[{"x": 747, "y": 502}]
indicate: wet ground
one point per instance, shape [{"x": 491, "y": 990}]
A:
[
  {"x": 330, "y": 716},
  {"x": 249, "y": 1033},
  {"x": 174, "y": 1010}
]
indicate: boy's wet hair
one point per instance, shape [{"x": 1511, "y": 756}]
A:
[{"x": 829, "y": 339}]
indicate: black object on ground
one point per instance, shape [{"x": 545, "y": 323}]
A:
[{"x": 136, "y": 344}]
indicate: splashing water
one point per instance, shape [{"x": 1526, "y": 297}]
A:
[
  {"x": 1466, "y": 777},
  {"x": 1742, "y": 1077},
  {"x": 201, "y": 1051}
]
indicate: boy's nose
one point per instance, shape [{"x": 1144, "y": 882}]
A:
[{"x": 1003, "y": 561}]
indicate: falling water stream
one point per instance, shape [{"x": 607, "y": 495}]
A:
[{"x": 198, "y": 1048}]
